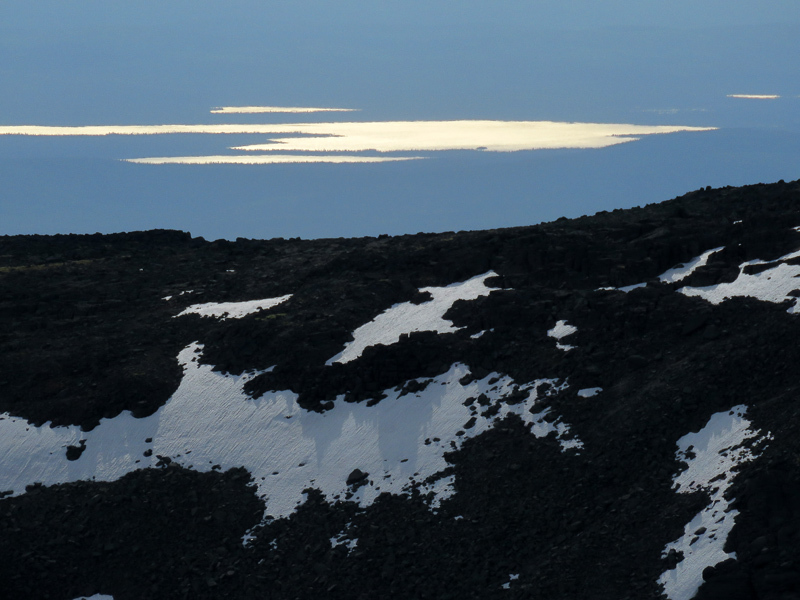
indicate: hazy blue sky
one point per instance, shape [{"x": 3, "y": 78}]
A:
[{"x": 147, "y": 62}]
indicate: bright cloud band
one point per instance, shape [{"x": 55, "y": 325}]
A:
[
  {"x": 493, "y": 136},
  {"x": 266, "y": 159},
  {"x": 229, "y": 110},
  {"x": 392, "y": 136},
  {"x": 755, "y": 96}
]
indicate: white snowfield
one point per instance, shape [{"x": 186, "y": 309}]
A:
[
  {"x": 712, "y": 455},
  {"x": 771, "y": 285},
  {"x": 407, "y": 317},
  {"x": 210, "y": 421},
  {"x": 232, "y": 310}
]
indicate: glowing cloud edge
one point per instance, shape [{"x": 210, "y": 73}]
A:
[
  {"x": 228, "y": 110},
  {"x": 754, "y": 96},
  {"x": 268, "y": 159}
]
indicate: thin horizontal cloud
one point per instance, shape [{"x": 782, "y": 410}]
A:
[
  {"x": 340, "y": 142},
  {"x": 100, "y": 130},
  {"x": 266, "y": 159},
  {"x": 755, "y": 96},
  {"x": 392, "y": 136},
  {"x": 672, "y": 111},
  {"x": 492, "y": 136},
  {"x": 275, "y": 109},
  {"x": 662, "y": 111}
]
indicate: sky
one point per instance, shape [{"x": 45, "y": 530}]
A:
[{"x": 677, "y": 65}]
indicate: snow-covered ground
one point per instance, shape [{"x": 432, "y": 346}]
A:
[
  {"x": 676, "y": 273},
  {"x": 680, "y": 272},
  {"x": 211, "y": 423},
  {"x": 345, "y": 538},
  {"x": 511, "y": 577},
  {"x": 232, "y": 310},
  {"x": 774, "y": 284},
  {"x": 712, "y": 455},
  {"x": 406, "y": 317},
  {"x": 778, "y": 283},
  {"x": 561, "y": 330}
]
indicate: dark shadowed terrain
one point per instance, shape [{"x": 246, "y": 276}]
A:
[{"x": 85, "y": 334}]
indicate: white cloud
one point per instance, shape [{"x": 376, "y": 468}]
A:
[
  {"x": 494, "y": 136},
  {"x": 225, "y": 128},
  {"x": 754, "y": 96},
  {"x": 275, "y": 109},
  {"x": 392, "y": 136},
  {"x": 329, "y": 140},
  {"x": 266, "y": 159}
]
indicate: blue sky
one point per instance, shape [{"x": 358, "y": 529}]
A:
[{"x": 142, "y": 62}]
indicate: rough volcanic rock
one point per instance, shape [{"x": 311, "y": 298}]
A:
[{"x": 89, "y": 328}]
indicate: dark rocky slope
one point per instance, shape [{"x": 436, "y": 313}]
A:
[{"x": 85, "y": 335}]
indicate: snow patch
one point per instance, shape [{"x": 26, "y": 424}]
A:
[
  {"x": 511, "y": 577},
  {"x": 248, "y": 537},
  {"x": 711, "y": 454},
  {"x": 680, "y": 272},
  {"x": 406, "y": 317},
  {"x": 629, "y": 288},
  {"x": 232, "y": 310},
  {"x": 96, "y": 597},
  {"x": 345, "y": 538},
  {"x": 676, "y": 273},
  {"x": 589, "y": 392},
  {"x": 562, "y": 330},
  {"x": 770, "y": 285},
  {"x": 168, "y": 298},
  {"x": 210, "y": 423}
]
